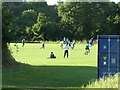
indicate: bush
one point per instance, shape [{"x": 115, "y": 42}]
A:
[{"x": 110, "y": 82}]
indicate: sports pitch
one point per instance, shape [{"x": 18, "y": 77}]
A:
[
  {"x": 75, "y": 71},
  {"x": 32, "y": 54}
]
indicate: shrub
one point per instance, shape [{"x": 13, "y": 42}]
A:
[{"x": 109, "y": 82}]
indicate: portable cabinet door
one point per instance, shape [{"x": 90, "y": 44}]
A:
[
  {"x": 102, "y": 57},
  {"x": 108, "y": 55}
]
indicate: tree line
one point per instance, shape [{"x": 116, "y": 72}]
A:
[{"x": 75, "y": 20}]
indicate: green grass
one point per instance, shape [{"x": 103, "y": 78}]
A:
[
  {"x": 49, "y": 76},
  {"x": 32, "y": 54},
  {"x": 74, "y": 71}
]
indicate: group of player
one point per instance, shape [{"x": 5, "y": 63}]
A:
[
  {"x": 66, "y": 40},
  {"x": 67, "y": 46}
]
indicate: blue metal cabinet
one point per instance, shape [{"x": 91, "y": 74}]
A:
[{"x": 108, "y": 55}]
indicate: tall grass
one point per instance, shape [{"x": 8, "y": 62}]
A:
[{"x": 109, "y": 82}]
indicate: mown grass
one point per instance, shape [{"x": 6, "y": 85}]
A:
[
  {"x": 74, "y": 71},
  {"x": 32, "y": 54},
  {"x": 49, "y": 76}
]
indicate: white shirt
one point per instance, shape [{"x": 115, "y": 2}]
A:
[
  {"x": 42, "y": 43},
  {"x": 61, "y": 42},
  {"x": 66, "y": 47}
]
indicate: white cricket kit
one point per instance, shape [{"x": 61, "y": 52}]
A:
[{"x": 66, "y": 47}]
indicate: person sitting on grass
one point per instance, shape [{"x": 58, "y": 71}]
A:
[
  {"x": 87, "y": 49},
  {"x": 51, "y": 56}
]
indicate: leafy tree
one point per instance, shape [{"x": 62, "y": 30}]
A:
[
  {"x": 8, "y": 23},
  {"x": 75, "y": 20},
  {"x": 116, "y": 20},
  {"x": 26, "y": 14},
  {"x": 29, "y": 32},
  {"x": 29, "y": 17},
  {"x": 8, "y": 34},
  {"x": 39, "y": 27},
  {"x": 86, "y": 20}
]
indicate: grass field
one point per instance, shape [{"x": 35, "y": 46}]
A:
[
  {"x": 74, "y": 71},
  {"x": 32, "y": 54}
]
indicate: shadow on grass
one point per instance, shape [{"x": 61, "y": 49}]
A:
[{"x": 48, "y": 76}]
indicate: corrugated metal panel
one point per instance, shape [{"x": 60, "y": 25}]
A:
[{"x": 108, "y": 55}]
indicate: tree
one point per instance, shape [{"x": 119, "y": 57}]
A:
[
  {"x": 8, "y": 33},
  {"x": 39, "y": 28},
  {"x": 26, "y": 13},
  {"x": 8, "y": 23},
  {"x": 87, "y": 19},
  {"x": 117, "y": 20},
  {"x": 79, "y": 20},
  {"x": 29, "y": 17}
]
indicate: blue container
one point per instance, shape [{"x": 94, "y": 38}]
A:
[{"x": 108, "y": 55}]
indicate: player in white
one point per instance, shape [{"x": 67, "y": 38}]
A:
[{"x": 66, "y": 48}]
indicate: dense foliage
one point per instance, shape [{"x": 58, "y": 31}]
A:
[
  {"x": 86, "y": 20},
  {"x": 75, "y": 20}
]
